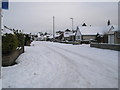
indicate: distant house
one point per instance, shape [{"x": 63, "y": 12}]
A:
[
  {"x": 69, "y": 35},
  {"x": 41, "y": 37},
  {"x": 59, "y": 36},
  {"x": 113, "y": 35}
]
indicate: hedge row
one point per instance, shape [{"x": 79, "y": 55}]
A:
[{"x": 11, "y": 41}]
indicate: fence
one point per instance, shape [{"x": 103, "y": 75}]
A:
[
  {"x": 106, "y": 46},
  {"x": 9, "y": 59}
]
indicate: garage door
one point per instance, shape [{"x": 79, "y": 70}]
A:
[{"x": 111, "y": 38}]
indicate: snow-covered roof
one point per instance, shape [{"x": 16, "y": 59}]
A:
[
  {"x": 68, "y": 34},
  {"x": 93, "y": 30},
  {"x": 6, "y": 31},
  {"x": 112, "y": 29},
  {"x": 26, "y": 32},
  {"x": 56, "y": 35}
]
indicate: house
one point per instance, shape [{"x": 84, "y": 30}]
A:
[
  {"x": 88, "y": 33},
  {"x": 57, "y": 37},
  {"x": 69, "y": 35},
  {"x": 42, "y": 37},
  {"x": 113, "y": 35},
  {"x": 78, "y": 36}
]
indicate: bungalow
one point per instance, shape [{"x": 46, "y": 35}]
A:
[
  {"x": 87, "y": 33},
  {"x": 69, "y": 35}
]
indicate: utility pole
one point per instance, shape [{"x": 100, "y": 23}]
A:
[
  {"x": 0, "y": 37},
  {"x": 53, "y": 28},
  {"x": 72, "y": 23},
  {"x": 72, "y": 28}
]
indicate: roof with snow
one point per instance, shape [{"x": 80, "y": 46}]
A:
[
  {"x": 113, "y": 29},
  {"x": 93, "y": 30},
  {"x": 68, "y": 33},
  {"x": 6, "y": 31},
  {"x": 56, "y": 35}
]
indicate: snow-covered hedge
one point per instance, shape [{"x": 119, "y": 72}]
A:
[
  {"x": 27, "y": 40},
  {"x": 9, "y": 43},
  {"x": 20, "y": 37}
]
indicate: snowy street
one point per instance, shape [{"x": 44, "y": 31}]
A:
[{"x": 55, "y": 65}]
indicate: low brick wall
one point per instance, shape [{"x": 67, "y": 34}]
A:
[
  {"x": 106, "y": 46},
  {"x": 9, "y": 59}
]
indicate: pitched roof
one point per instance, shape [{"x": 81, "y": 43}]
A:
[
  {"x": 112, "y": 29},
  {"x": 5, "y": 30},
  {"x": 68, "y": 34},
  {"x": 93, "y": 30}
]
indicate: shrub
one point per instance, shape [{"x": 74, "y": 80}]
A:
[
  {"x": 98, "y": 38},
  {"x": 9, "y": 43},
  {"x": 20, "y": 37},
  {"x": 27, "y": 40}
]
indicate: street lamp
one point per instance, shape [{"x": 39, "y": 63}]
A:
[
  {"x": 72, "y": 23},
  {"x": 53, "y": 28}
]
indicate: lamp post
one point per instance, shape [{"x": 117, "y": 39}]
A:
[
  {"x": 72, "y": 28},
  {"x": 53, "y": 28}
]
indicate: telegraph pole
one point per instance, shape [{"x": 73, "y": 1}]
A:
[
  {"x": 53, "y": 28},
  {"x": 0, "y": 37},
  {"x": 72, "y": 27},
  {"x": 72, "y": 23}
]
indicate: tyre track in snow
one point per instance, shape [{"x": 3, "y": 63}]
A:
[
  {"x": 108, "y": 68},
  {"x": 53, "y": 67},
  {"x": 71, "y": 65}
]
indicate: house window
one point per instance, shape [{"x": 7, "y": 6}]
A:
[{"x": 78, "y": 37}]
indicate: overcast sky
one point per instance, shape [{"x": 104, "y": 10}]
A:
[{"x": 37, "y": 16}]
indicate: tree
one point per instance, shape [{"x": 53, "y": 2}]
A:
[
  {"x": 27, "y": 40},
  {"x": 98, "y": 38},
  {"x": 45, "y": 33}
]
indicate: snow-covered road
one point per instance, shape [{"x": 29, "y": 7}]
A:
[{"x": 55, "y": 65}]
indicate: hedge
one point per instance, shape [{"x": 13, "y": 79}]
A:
[
  {"x": 9, "y": 43},
  {"x": 20, "y": 38}
]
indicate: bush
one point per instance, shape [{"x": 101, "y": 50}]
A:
[
  {"x": 27, "y": 40},
  {"x": 9, "y": 43},
  {"x": 20, "y": 37},
  {"x": 85, "y": 42}
]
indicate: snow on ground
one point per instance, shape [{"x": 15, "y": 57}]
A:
[{"x": 55, "y": 65}]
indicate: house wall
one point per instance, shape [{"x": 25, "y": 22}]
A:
[
  {"x": 106, "y": 46},
  {"x": 88, "y": 37},
  {"x": 117, "y": 38},
  {"x": 66, "y": 38},
  {"x": 70, "y": 38},
  {"x": 118, "y": 41},
  {"x": 113, "y": 38},
  {"x": 9, "y": 59}
]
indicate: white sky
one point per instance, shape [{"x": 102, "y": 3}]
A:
[{"x": 37, "y": 16}]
